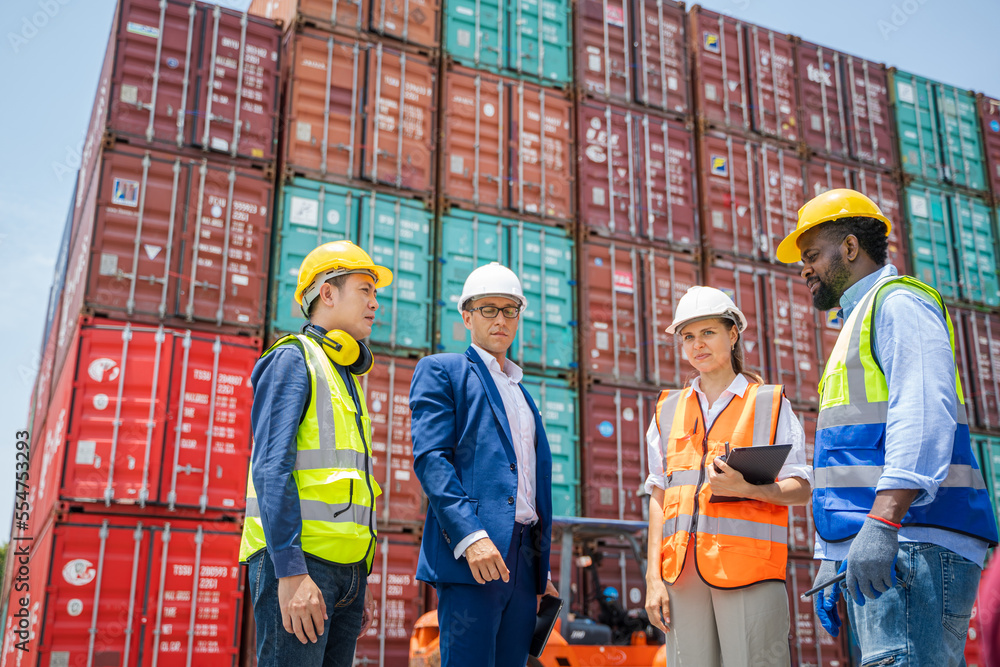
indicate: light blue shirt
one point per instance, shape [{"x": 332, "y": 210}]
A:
[{"x": 913, "y": 347}]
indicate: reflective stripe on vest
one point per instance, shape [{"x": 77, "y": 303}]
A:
[
  {"x": 333, "y": 469},
  {"x": 739, "y": 543},
  {"x": 850, "y": 437}
]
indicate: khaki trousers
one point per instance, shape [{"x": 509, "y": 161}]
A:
[{"x": 746, "y": 627}]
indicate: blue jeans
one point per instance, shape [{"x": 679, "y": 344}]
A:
[
  {"x": 343, "y": 588},
  {"x": 924, "y": 619}
]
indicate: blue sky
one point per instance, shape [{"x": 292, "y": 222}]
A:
[{"x": 50, "y": 57}]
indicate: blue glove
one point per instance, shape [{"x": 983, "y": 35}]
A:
[
  {"x": 825, "y": 601},
  {"x": 871, "y": 561}
]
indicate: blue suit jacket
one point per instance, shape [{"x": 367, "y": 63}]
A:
[{"x": 463, "y": 456}]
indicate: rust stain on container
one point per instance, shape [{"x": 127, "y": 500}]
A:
[
  {"x": 824, "y": 117},
  {"x": 772, "y": 83},
  {"x": 667, "y": 277},
  {"x": 728, "y": 192},
  {"x": 508, "y": 145},
  {"x": 722, "y": 86}
]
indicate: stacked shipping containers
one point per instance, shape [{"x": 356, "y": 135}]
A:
[{"x": 140, "y": 417}]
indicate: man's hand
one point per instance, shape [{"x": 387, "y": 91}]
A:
[
  {"x": 658, "y": 604},
  {"x": 871, "y": 561},
  {"x": 825, "y": 601},
  {"x": 486, "y": 562},
  {"x": 550, "y": 589},
  {"x": 303, "y": 610},
  {"x": 369, "y": 617}
]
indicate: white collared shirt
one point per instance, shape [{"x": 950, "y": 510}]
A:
[
  {"x": 522, "y": 433},
  {"x": 788, "y": 432}
]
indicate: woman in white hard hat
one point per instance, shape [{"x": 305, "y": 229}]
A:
[{"x": 719, "y": 590}]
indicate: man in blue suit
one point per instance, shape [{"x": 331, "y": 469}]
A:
[{"x": 481, "y": 455}]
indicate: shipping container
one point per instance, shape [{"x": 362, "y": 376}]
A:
[
  {"x": 782, "y": 194},
  {"x": 387, "y": 390},
  {"x": 25, "y": 607},
  {"x": 613, "y": 456},
  {"x": 976, "y": 240},
  {"x": 720, "y": 72},
  {"x": 666, "y": 278},
  {"x": 415, "y": 22},
  {"x": 801, "y": 529},
  {"x": 794, "y": 348},
  {"x": 989, "y": 116},
  {"x": 169, "y": 239},
  {"x": 728, "y": 195},
  {"x": 743, "y": 283},
  {"x": 186, "y": 76},
  {"x": 121, "y": 590},
  {"x": 932, "y": 252},
  {"x": 938, "y": 130},
  {"x": 636, "y": 176},
  {"x": 884, "y": 190},
  {"x": 810, "y": 644},
  {"x": 982, "y": 384},
  {"x": 358, "y": 111},
  {"x": 525, "y": 38},
  {"x": 822, "y": 99},
  {"x": 870, "y": 127},
  {"x": 772, "y": 84},
  {"x": 987, "y": 446},
  {"x": 633, "y": 51},
  {"x": 557, "y": 402},
  {"x": 149, "y": 417},
  {"x": 399, "y": 602},
  {"x": 395, "y": 231},
  {"x": 509, "y": 145},
  {"x": 544, "y": 259}
]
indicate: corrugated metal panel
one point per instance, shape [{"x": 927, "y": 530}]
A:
[
  {"x": 884, "y": 190},
  {"x": 822, "y": 99},
  {"x": 772, "y": 83},
  {"x": 387, "y": 389},
  {"x": 661, "y": 55},
  {"x": 508, "y": 144},
  {"x": 613, "y": 457},
  {"x": 722, "y": 86},
  {"x": 823, "y": 175},
  {"x": 557, "y": 401},
  {"x": 801, "y": 531},
  {"x": 544, "y": 259},
  {"x": 794, "y": 352},
  {"x": 667, "y": 277},
  {"x": 636, "y": 177},
  {"x": 983, "y": 392},
  {"x": 932, "y": 252},
  {"x": 976, "y": 240},
  {"x": 22, "y": 633},
  {"x": 742, "y": 282},
  {"x": 604, "y": 62},
  {"x": 782, "y": 194},
  {"x": 475, "y": 33},
  {"x": 989, "y": 116},
  {"x": 810, "y": 644},
  {"x": 869, "y": 123},
  {"x": 398, "y": 603},
  {"x": 728, "y": 193},
  {"x": 961, "y": 142}
]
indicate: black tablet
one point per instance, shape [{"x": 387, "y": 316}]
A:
[
  {"x": 548, "y": 612},
  {"x": 759, "y": 465}
]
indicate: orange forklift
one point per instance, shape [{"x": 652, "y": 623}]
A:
[{"x": 593, "y": 629}]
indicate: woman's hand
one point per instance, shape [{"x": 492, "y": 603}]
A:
[
  {"x": 658, "y": 604},
  {"x": 729, "y": 482}
]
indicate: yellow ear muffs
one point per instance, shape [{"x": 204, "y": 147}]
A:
[{"x": 344, "y": 350}]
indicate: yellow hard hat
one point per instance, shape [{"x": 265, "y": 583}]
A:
[
  {"x": 329, "y": 260},
  {"x": 831, "y": 205}
]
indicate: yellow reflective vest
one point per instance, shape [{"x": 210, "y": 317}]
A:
[{"x": 333, "y": 469}]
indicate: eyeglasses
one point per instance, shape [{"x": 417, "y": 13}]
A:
[{"x": 490, "y": 312}]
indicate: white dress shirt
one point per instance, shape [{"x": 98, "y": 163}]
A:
[
  {"x": 788, "y": 432},
  {"x": 522, "y": 433}
]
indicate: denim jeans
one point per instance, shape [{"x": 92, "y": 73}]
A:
[
  {"x": 924, "y": 619},
  {"x": 343, "y": 588}
]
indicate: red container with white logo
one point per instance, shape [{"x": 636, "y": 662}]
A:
[
  {"x": 742, "y": 282},
  {"x": 666, "y": 277},
  {"x": 822, "y": 99},
  {"x": 387, "y": 390},
  {"x": 728, "y": 195},
  {"x": 794, "y": 350},
  {"x": 125, "y": 590},
  {"x": 149, "y": 417}
]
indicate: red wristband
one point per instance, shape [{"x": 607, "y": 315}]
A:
[{"x": 897, "y": 526}]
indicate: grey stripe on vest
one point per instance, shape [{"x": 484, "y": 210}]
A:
[
  {"x": 741, "y": 528},
  {"x": 763, "y": 409},
  {"x": 858, "y": 394},
  {"x": 838, "y": 477},
  {"x": 323, "y": 459},
  {"x": 666, "y": 417},
  {"x": 679, "y": 523},
  {"x": 853, "y": 414},
  {"x": 682, "y": 478},
  {"x": 317, "y": 510}
]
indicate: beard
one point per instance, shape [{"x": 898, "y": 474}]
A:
[{"x": 832, "y": 288}]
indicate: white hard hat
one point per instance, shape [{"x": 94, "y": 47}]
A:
[
  {"x": 493, "y": 279},
  {"x": 701, "y": 302}
]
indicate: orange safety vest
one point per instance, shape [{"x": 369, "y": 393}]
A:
[{"x": 736, "y": 543}]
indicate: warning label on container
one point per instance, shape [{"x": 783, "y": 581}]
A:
[
  {"x": 615, "y": 16},
  {"x": 79, "y": 572},
  {"x": 623, "y": 282}
]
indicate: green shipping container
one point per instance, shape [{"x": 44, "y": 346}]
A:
[
  {"x": 931, "y": 242},
  {"x": 938, "y": 130},
  {"x": 542, "y": 257},
  {"x": 396, "y": 232},
  {"x": 976, "y": 240},
  {"x": 511, "y": 37},
  {"x": 557, "y": 402}
]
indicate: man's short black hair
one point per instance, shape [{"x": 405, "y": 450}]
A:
[
  {"x": 870, "y": 233},
  {"x": 336, "y": 281}
]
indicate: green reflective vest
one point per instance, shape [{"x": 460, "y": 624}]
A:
[{"x": 333, "y": 469}]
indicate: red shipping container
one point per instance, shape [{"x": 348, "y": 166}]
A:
[
  {"x": 614, "y": 452},
  {"x": 722, "y": 88},
  {"x": 173, "y": 240},
  {"x": 508, "y": 144},
  {"x": 150, "y": 417},
  {"x": 822, "y": 99},
  {"x": 667, "y": 278},
  {"x": 810, "y": 644},
  {"x": 883, "y": 189},
  {"x": 801, "y": 529},
  {"x": 823, "y": 175},
  {"x": 26, "y": 590},
  {"x": 387, "y": 389},
  {"x": 179, "y": 74},
  {"x": 989, "y": 116},
  {"x": 794, "y": 349},
  {"x": 744, "y": 285},
  {"x": 661, "y": 58},
  {"x": 604, "y": 67},
  {"x": 869, "y": 121},
  {"x": 636, "y": 178},
  {"x": 982, "y": 389},
  {"x": 782, "y": 194},
  {"x": 399, "y": 602},
  {"x": 129, "y": 591},
  {"x": 728, "y": 194},
  {"x": 772, "y": 83},
  {"x": 357, "y": 110},
  {"x": 611, "y": 311},
  {"x": 414, "y": 22}
]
